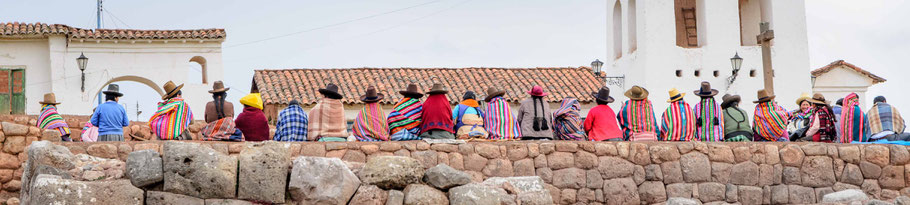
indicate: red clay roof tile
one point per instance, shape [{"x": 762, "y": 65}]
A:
[
  {"x": 832, "y": 65},
  {"x": 42, "y": 29}
]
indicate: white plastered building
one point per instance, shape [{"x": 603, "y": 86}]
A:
[
  {"x": 45, "y": 54},
  {"x": 661, "y": 45}
]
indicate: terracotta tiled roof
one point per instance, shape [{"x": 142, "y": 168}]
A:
[
  {"x": 280, "y": 86},
  {"x": 42, "y": 29},
  {"x": 835, "y": 64}
]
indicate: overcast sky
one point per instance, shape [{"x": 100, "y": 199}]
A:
[{"x": 872, "y": 34}]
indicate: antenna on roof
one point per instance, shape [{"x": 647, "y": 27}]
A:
[{"x": 98, "y": 10}]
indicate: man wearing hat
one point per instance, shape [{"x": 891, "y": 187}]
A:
[
  {"x": 51, "y": 120},
  {"x": 709, "y": 119},
  {"x": 370, "y": 124},
  {"x": 404, "y": 120},
  {"x": 173, "y": 117},
  {"x": 535, "y": 117},
  {"x": 468, "y": 118},
  {"x": 637, "y": 116},
  {"x": 498, "y": 118},
  {"x": 326, "y": 119},
  {"x": 218, "y": 108},
  {"x": 678, "y": 120},
  {"x": 770, "y": 120},
  {"x": 736, "y": 122},
  {"x": 110, "y": 116},
  {"x": 252, "y": 120},
  {"x": 436, "y": 121},
  {"x": 601, "y": 124},
  {"x": 292, "y": 124}
]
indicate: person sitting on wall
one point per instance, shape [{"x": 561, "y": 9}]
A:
[
  {"x": 736, "y": 123},
  {"x": 637, "y": 116},
  {"x": 252, "y": 121},
  {"x": 838, "y": 108},
  {"x": 436, "y": 120},
  {"x": 770, "y": 120},
  {"x": 326, "y": 119},
  {"x": 370, "y": 124},
  {"x": 799, "y": 119},
  {"x": 292, "y": 123},
  {"x": 601, "y": 124},
  {"x": 821, "y": 124},
  {"x": 854, "y": 122},
  {"x": 172, "y": 119},
  {"x": 219, "y": 114},
  {"x": 498, "y": 118},
  {"x": 885, "y": 122},
  {"x": 567, "y": 123},
  {"x": 51, "y": 120},
  {"x": 709, "y": 119},
  {"x": 468, "y": 118},
  {"x": 404, "y": 120},
  {"x": 110, "y": 116},
  {"x": 534, "y": 116},
  {"x": 678, "y": 120}
]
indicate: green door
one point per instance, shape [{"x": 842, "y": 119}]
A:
[
  {"x": 5, "y": 92},
  {"x": 18, "y": 94}
]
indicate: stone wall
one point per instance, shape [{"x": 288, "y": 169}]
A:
[{"x": 580, "y": 172}]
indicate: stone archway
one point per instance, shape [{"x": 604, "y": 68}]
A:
[{"x": 132, "y": 78}]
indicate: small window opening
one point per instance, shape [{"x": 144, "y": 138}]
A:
[
  {"x": 697, "y": 73},
  {"x": 716, "y": 73},
  {"x": 678, "y": 73},
  {"x": 752, "y": 73}
]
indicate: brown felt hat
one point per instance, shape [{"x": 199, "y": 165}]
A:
[
  {"x": 492, "y": 93},
  {"x": 331, "y": 91},
  {"x": 49, "y": 99},
  {"x": 705, "y": 90},
  {"x": 411, "y": 91},
  {"x": 437, "y": 88},
  {"x": 636, "y": 93},
  {"x": 818, "y": 98},
  {"x": 218, "y": 87},
  {"x": 371, "y": 96},
  {"x": 170, "y": 89},
  {"x": 763, "y": 96},
  {"x": 729, "y": 99}
]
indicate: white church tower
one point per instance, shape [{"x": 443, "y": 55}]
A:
[{"x": 665, "y": 44}]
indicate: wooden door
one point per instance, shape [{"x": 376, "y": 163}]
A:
[
  {"x": 17, "y": 101},
  {"x": 5, "y": 92}
]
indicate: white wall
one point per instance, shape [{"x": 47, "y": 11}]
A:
[
  {"x": 841, "y": 81},
  {"x": 654, "y": 63},
  {"x": 51, "y": 67}
]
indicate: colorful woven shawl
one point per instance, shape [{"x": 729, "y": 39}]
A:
[
  {"x": 770, "y": 121},
  {"x": 50, "y": 119},
  {"x": 708, "y": 112},
  {"x": 853, "y": 121},
  {"x": 326, "y": 120},
  {"x": 499, "y": 121},
  {"x": 172, "y": 118},
  {"x": 370, "y": 124},
  {"x": 637, "y": 116},
  {"x": 219, "y": 130},
  {"x": 292, "y": 125},
  {"x": 437, "y": 114},
  {"x": 567, "y": 122},
  {"x": 678, "y": 122},
  {"x": 405, "y": 119},
  {"x": 882, "y": 117}
]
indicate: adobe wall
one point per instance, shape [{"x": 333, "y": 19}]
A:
[{"x": 587, "y": 172}]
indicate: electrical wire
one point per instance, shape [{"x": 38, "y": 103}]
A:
[
  {"x": 331, "y": 25},
  {"x": 117, "y": 18}
]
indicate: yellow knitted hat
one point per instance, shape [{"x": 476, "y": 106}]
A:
[{"x": 252, "y": 100}]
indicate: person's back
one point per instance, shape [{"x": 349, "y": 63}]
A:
[
  {"x": 110, "y": 118},
  {"x": 601, "y": 124},
  {"x": 736, "y": 123}
]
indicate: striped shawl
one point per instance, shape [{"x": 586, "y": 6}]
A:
[
  {"x": 770, "y": 121},
  {"x": 637, "y": 116},
  {"x": 678, "y": 122},
  {"x": 171, "y": 119},
  {"x": 405, "y": 119},
  {"x": 370, "y": 124},
  {"x": 499, "y": 121},
  {"x": 711, "y": 121}
]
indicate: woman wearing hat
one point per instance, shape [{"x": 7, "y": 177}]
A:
[
  {"x": 567, "y": 124},
  {"x": 736, "y": 122},
  {"x": 709, "y": 120},
  {"x": 252, "y": 121},
  {"x": 498, "y": 118},
  {"x": 404, "y": 120},
  {"x": 799, "y": 119},
  {"x": 601, "y": 124},
  {"x": 173, "y": 117},
  {"x": 678, "y": 121},
  {"x": 535, "y": 117},
  {"x": 770, "y": 120},
  {"x": 326, "y": 119},
  {"x": 218, "y": 108},
  {"x": 51, "y": 120},
  {"x": 110, "y": 116},
  {"x": 370, "y": 124},
  {"x": 821, "y": 123},
  {"x": 637, "y": 116},
  {"x": 468, "y": 118},
  {"x": 436, "y": 122}
]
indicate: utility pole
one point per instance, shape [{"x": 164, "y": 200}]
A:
[
  {"x": 764, "y": 38},
  {"x": 137, "y": 111},
  {"x": 98, "y": 10}
]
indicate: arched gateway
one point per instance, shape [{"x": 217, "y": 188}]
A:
[{"x": 46, "y": 54}]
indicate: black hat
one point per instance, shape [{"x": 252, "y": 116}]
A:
[
  {"x": 331, "y": 91},
  {"x": 113, "y": 89},
  {"x": 371, "y": 96},
  {"x": 603, "y": 95},
  {"x": 729, "y": 100}
]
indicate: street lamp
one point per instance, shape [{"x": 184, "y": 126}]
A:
[
  {"x": 737, "y": 63},
  {"x": 596, "y": 65},
  {"x": 82, "y": 61}
]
